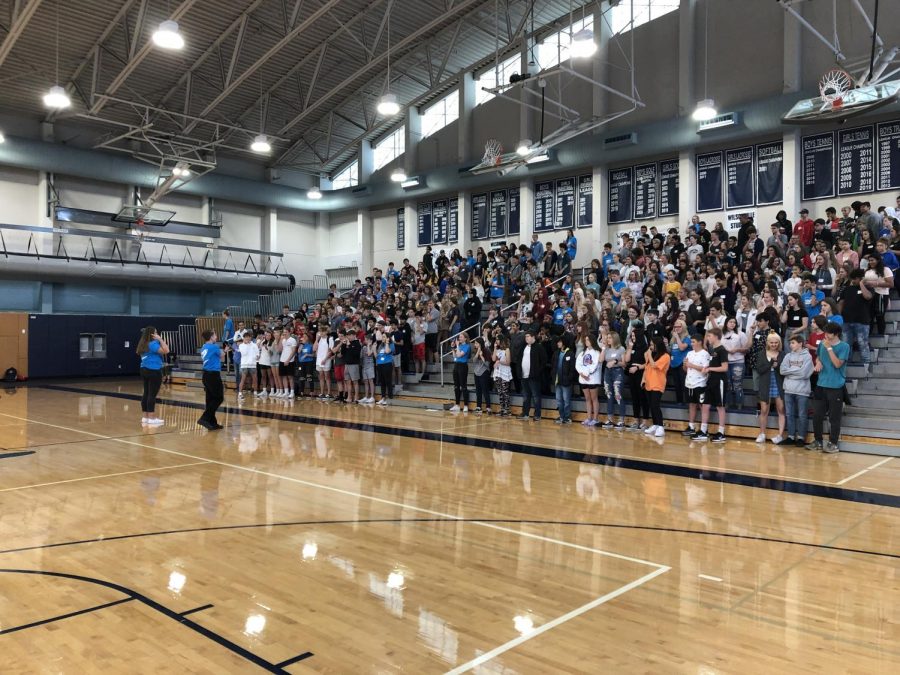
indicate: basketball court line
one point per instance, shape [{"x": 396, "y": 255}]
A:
[
  {"x": 374, "y": 427},
  {"x": 659, "y": 568},
  {"x": 108, "y": 475},
  {"x": 865, "y": 471}
]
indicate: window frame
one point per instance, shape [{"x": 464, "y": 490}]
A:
[{"x": 399, "y": 134}]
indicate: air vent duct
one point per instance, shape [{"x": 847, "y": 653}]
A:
[
  {"x": 620, "y": 140},
  {"x": 720, "y": 121}
]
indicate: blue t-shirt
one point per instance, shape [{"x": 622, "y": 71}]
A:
[
  {"x": 679, "y": 349},
  {"x": 152, "y": 359},
  {"x": 837, "y": 318},
  {"x": 305, "y": 353},
  {"x": 466, "y": 349},
  {"x": 571, "y": 247},
  {"x": 559, "y": 315},
  {"x": 212, "y": 356},
  {"x": 228, "y": 331},
  {"x": 382, "y": 357},
  {"x": 607, "y": 260},
  {"x": 618, "y": 286},
  {"x": 890, "y": 261},
  {"x": 807, "y": 298},
  {"x": 831, "y": 377}
]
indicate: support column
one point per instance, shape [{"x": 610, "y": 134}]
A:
[
  {"x": 603, "y": 37},
  {"x": 687, "y": 17},
  {"x": 366, "y": 161},
  {"x": 412, "y": 136},
  {"x": 323, "y": 241},
  {"x": 464, "y": 222},
  {"x": 365, "y": 237},
  {"x": 600, "y": 229},
  {"x": 793, "y": 47},
  {"x": 411, "y": 217},
  {"x": 687, "y": 189},
  {"x": 270, "y": 237},
  {"x": 793, "y": 158},
  {"x": 526, "y": 210},
  {"x": 464, "y": 125}
]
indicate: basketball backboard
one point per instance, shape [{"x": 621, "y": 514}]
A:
[
  {"x": 143, "y": 215},
  {"x": 850, "y": 103}
]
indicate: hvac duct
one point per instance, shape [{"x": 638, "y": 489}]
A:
[{"x": 55, "y": 269}]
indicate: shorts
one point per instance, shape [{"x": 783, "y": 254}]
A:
[
  {"x": 368, "y": 372},
  {"x": 248, "y": 368},
  {"x": 588, "y": 386},
  {"x": 351, "y": 373},
  {"x": 287, "y": 369},
  {"x": 339, "y": 373},
  {"x": 715, "y": 392},
  {"x": 323, "y": 367},
  {"x": 419, "y": 352},
  {"x": 396, "y": 362},
  {"x": 696, "y": 395},
  {"x": 262, "y": 367}
]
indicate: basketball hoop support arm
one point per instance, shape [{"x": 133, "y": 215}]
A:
[{"x": 835, "y": 48}]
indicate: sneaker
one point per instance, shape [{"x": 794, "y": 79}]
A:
[
  {"x": 761, "y": 438},
  {"x": 477, "y": 410},
  {"x": 660, "y": 432},
  {"x": 522, "y": 417},
  {"x": 815, "y": 445},
  {"x": 620, "y": 426},
  {"x": 558, "y": 420},
  {"x": 607, "y": 425},
  {"x": 593, "y": 423},
  {"x": 385, "y": 402},
  {"x": 718, "y": 437},
  {"x": 778, "y": 440},
  {"x": 799, "y": 442},
  {"x": 634, "y": 427},
  {"x": 206, "y": 425},
  {"x": 465, "y": 408},
  {"x": 216, "y": 427},
  {"x": 568, "y": 421},
  {"x": 144, "y": 420},
  {"x": 700, "y": 436},
  {"x": 156, "y": 422},
  {"x": 382, "y": 402},
  {"x": 454, "y": 408},
  {"x": 586, "y": 423},
  {"x": 831, "y": 448},
  {"x": 536, "y": 419},
  {"x": 690, "y": 431},
  {"x": 651, "y": 430}
]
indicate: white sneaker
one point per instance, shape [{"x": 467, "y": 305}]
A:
[
  {"x": 777, "y": 440},
  {"x": 145, "y": 420},
  {"x": 155, "y": 422},
  {"x": 660, "y": 432},
  {"x": 264, "y": 394},
  {"x": 651, "y": 430},
  {"x": 454, "y": 408},
  {"x": 761, "y": 438},
  {"x": 371, "y": 399},
  {"x": 465, "y": 408}
]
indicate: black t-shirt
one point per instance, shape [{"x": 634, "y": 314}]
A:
[
  {"x": 352, "y": 353},
  {"x": 719, "y": 357},
  {"x": 856, "y": 308},
  {"x": 795, "y": 317}
]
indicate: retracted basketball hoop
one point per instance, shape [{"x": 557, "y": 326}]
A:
[
  {"x": 840, "y": 99},
  {"x": 493, "y": 152},
  {"x": 833, "y": 85}
]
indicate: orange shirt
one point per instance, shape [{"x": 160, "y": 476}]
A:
[{"x": 655, "y": 374}]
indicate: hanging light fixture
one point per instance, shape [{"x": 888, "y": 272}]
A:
[
  {"x": 524, "y": 147},
  {"x": 583, "y": 45},
  {"x": 314, "y": 193},
  {"x": 706, "y": 108},
  {"x": 261, "y": 145},
  {"x": 388, "y": 105},
  {"x": 167, "y": 36},
  {"x": 2, "y": 137},
  {"x": 398, "y": 175},
  {"x": 57, "y": 98}
]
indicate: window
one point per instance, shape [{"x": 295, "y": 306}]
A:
[
  {"x": 435, "y": 117},
  {"x": 554, "y": 49},
  {"x": 346, "y": 177},
  {"x": 390, "y": 147},
  {"x": 92, "y": 346},
  {"x": 644, "y": 11},
  {"x": 494, "y": 76}
]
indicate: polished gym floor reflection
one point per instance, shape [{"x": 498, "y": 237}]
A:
[{"x": 315, "y": 537}]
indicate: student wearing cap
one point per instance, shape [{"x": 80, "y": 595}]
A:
[{"x": 805, "y": 229}]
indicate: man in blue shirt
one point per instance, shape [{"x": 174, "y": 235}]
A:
[
  {"x": 559, "y": 314},
  {"x": 608, "y": 257},
  {"x": 227, "y": 332},
  {"x": 616, "y": 286},
  {"x": 212, "y": 380},
  {"x": 537, "y": 248},
  {"x": 831, "y": 365},
  {"x": 811, "y": 296}
]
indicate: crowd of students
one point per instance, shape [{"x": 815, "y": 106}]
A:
[{"x": 696, "y": 315}]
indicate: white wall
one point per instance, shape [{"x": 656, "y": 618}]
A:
[
  {"x": 384, "y": 224},
  {"x": 91, "y": 195},
  {"x": 343, "y": 241},
  {"x": 296, "y": 239},
  {"x": 241, "y": 224},
  {"x": 20, "y": 204}
]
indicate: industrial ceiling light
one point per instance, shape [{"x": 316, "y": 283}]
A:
[
  {"x": 261, "y": 144},
  {"x": 314, "y": 193},
  {"x": 705, "y": 110},
  {"x": 167, "y": 36},
  {"x": 2, "y": 137},
  {"x": 583, "y": 45},
  {"x": 524, "y": 147},
  {"x": 57, "y": 98},
  {"x": 181, "y": 171},
  {"x": 411, "y": 182},
  {"x": 398, "y": 175},
  {"x": 388, "y": 105}
]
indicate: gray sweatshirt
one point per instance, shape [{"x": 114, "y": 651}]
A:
[{"x": 797, "y": 368}]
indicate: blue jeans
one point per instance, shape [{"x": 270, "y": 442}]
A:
[
  {"x": 796, "y": 408},
  {"x": 736, "y": 382},
  {"x": 613, "y": 379},
  {"x": 859, "y": 333},
  {"x": 564, "y": 401},
  {"x": 237, "y": 367}
]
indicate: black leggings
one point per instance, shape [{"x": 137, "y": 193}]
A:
[
  {"x": 640, "y": 407},
  {"x": 461, "y": 383},
  {"x": 305, "y": 375},
  {"x": 152, "y": 380},
  {"x": 656, "y": 407},
  {"x": 879, "y": 307},
  {"x": 215, "y": 394},
  {"x": 828, "y": 401},
  {"x": 386, "y": 379}
]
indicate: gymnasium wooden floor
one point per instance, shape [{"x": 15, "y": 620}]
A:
[{"x": 327, "y": 539}]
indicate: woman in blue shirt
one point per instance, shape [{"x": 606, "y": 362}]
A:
[
  {"x": 152, "y": 349},
  {"x": 384, "y": 365},
  {"x": 461, "y": 352},
  {"x": 571, "y": 244}
]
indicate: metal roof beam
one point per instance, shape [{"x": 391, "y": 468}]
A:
[
  {"x": 133, "y": 63},
  {"x": 19, "y": 22},
  {"x": 274, "y": 49}
]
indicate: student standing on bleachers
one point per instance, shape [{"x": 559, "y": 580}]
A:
[
  {"x": 656, "y": 366},
  {"x": 563, "y": 376},
  {"x": 828, "y": 397},
  {"x": 461, "y": 352},
  {"x": 534, "y": 362},
  {"x": 797, "y": 367}
]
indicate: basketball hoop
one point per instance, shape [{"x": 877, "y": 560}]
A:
[
  {"x": 833, "y": 85},
  {"x": 493, "y": 152}
]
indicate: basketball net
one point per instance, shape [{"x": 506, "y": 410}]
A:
[
  {"x": 493, "y": 152},
  {"x": 832, "y": 87}
]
